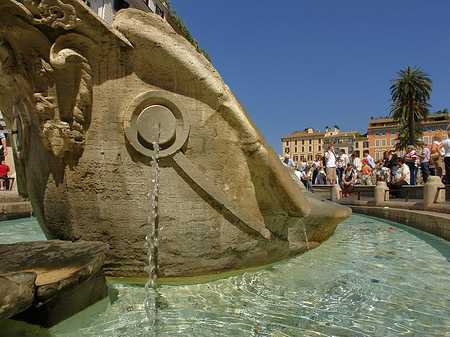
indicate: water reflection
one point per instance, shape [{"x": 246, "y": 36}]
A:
[{"x": 371, "y": 278}]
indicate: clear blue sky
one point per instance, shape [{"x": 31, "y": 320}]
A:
[{"x": 297, "y": 63}]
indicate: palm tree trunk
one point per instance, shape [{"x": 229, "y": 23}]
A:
[{"x": 412, "y": 138}]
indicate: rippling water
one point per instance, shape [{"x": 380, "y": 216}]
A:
[{"x": 371, "y": 278}]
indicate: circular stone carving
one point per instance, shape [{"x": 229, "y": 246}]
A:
[
  {"x": 157, "y": 114},
  {"x": 19, "y": 132},
  {"x": 150, "y": 108}
]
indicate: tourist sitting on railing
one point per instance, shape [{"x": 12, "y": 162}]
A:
[
  {"x": 348, "y": 180},
  {"x": 401, "y": 177},
  {"x": 306, "y": 177},
  {"x": 4, "y": 169}
]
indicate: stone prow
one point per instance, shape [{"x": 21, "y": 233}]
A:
[{"x": 82, "y": 96}]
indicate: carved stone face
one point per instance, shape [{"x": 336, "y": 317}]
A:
[{"x": 85, "y": 100}]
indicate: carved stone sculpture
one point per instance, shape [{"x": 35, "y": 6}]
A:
[{"x": 82, "y": 98}]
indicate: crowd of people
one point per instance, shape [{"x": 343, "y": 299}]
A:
[{"x": 411, "y": 169}]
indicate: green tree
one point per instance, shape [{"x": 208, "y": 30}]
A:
[
  {"x": 410, "y": 94},
  {"x": 403, "y": 139}
]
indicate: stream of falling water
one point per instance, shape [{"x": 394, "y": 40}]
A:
[{"x": 151, "y": 239}]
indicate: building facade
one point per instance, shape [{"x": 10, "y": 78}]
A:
[
  {"x": 340, "y": 140},
  {"x": 303, "y": 145},
  {"x": 107, "y": 9},
  {"x": 382, "y": 132},
  {"x": 361, "y": 143}
]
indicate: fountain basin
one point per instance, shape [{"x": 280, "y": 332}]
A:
[{"x": 365, "y": 280}]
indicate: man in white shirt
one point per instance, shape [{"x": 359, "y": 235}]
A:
[
  {"x": 401, "y": 177},
  {"x": 288, "y": 162},
  {"x": 330, "y": 170}
]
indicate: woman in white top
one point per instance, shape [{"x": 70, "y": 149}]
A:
[
  {"x": 436, "y": 162},
  {"x": 357, "y": 165},
  {"x": 446, "y": 146}
]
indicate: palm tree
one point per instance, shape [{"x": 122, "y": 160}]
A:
[
  {"x": 410, "y": 95},
  {"x": 403, "y": 140}
]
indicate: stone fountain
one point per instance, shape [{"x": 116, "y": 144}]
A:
[{"x": 82, "y": 98}]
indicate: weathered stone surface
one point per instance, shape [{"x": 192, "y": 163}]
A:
[
  {"x": 81, "y": 96},
  {"x": 16, "y": 293},
  {"x": 57, "y": 264},
  {"x": 66, "y": 303},
  {"x": 55, "y": 279}
]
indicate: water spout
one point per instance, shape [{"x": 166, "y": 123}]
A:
[{"x": 151, "y": 239}]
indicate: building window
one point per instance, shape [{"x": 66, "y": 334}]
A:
[
  {"x": 320, "y": 147},
  {"x": 310, "y": 141},
  {"x": 377, "y": 154},
  {"x": 295, "y": 145},
  {"x": 392, "y": 131},
  {"x": 377, "y": 142},
  {"x": 287, "y": 143},
  {"x": 426, "y": 140},
  {"x": 392, "y": 141},
  {"x": 383, "y": 132},
  {"x": 159, "y": 11},
  {"x": 303, "y": 142},
  {"x": 383, "y": 142},
  {"x": 286, "y": 150},
  {"x": 320, "y": 141},
  {"x": 366, "y": 145},
  {"x": 310, "y": 148},
  {"x": 430, "y": 128},
  {"x": 310, "y": 157},
  {"x": 295, "y": 149},
  {"x": 296, "y": 158},
  {"x": 302, "y": 157},
  {"x": 357, "y": 144},
  {"x": 303, "y": 149}
]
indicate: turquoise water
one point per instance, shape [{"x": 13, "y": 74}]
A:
[{"x": 371, "y": 278}]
